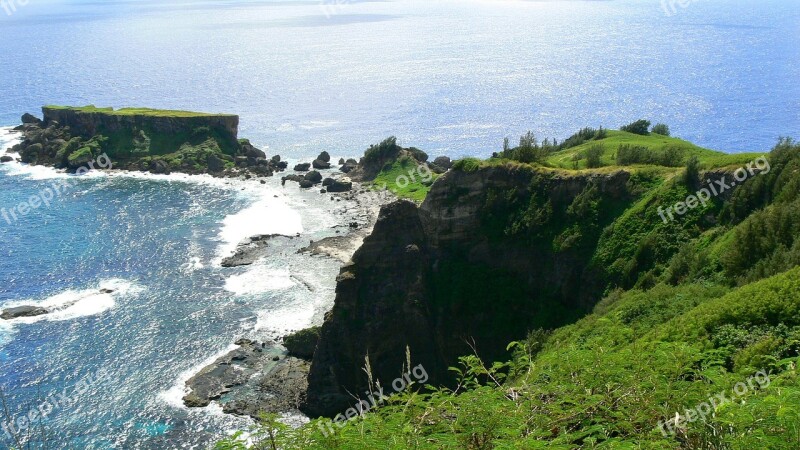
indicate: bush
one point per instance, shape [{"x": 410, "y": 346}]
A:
[
  {"x": 383, "y": 150},
  {"x": 692, "y": 176},
  {"x": 669, "y": 156},
  {"x": 639, "y": 127},
  {"x": 660, "y": 128},
  {"x": 593, "y": 155}
]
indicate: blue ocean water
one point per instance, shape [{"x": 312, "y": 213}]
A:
[
  {"x": 448, "y": 76},
  {"x": 451, "y": 77}
]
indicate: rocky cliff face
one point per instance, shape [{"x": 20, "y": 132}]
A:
[
  {"x": 474, "y": 265},
  {"x": 90, "y": 123}
]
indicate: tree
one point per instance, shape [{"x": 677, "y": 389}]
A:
[
  {"x": 660, "y": 128},
  {"x": 692, "y": 176},
  {"x": 593, "y": 155},
  {"x": 639, "y": 127}
]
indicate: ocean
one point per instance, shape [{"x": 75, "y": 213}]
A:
[{"x": 452, "y": 77}]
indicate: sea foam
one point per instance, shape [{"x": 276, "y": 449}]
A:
[{"x": 72, "y": 303}]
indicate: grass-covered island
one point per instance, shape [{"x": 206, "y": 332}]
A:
[
  {"x": 158, "y": 141},
  {"x": 552, "y": 302}
]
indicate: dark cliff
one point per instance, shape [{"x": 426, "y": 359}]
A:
[
  {"x": 475, "y": 264},
  {"x": 143, "y": 124}
]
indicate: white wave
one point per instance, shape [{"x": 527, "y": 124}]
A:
[
  {"x": 268, "y": 215},
  {"x": 288, "y": 318},
  {"x": 6, "y": 332},
  {"x": 71, "y": 304},
  {"x": 259, "y": 278},
  {"x": 8, "y": 138},
  {"x": 174, "y": 395}
]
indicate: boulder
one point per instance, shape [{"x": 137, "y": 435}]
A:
[
  {"x": 252, "y": 152},
  {"x": 22, "y": 311},
  {"x": 215, "y": 163},
  {"x": 5, "y": 159},
  {"x": 314, "y": 177},
  {"x": 302, "y": 167},
  {"x": 159, "y": 167},
  {"x": 348, "y": 165},
  {"x": 343, "y": 185},
  {"x": 240, "y": 161},
  {"x": 30, "y": 119},
  {"x": 301, "y": 344},
  {"x": 444, "y": 162},
  {"x": 276, "y": 159},
  {"x": 282, "y": 165},
  {"x": 305, "y": 184},
  {"x": 341, "y": 161},
  {"x": 320, "y": 164},
  {"x": 324, "y": 157},
  {"x": 327, "y": 181},
  {"x": 295, "y": 178}
]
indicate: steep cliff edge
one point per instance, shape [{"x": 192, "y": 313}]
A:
[
  {"x": 143, "y": 124},
  {"x": 474, "y": 265}
]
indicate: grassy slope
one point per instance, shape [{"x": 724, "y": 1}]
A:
[
  {"x": 405, "y": 180},
  {"x": 708, "y": 158}
]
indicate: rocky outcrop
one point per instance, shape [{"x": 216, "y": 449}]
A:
[
  {"x": 302, "y": 344},
  {"x": 252, "y": 379},
  {"x": 474, "y": 265},
  {"x": 160, "y": 142},
  {"x": 88, "y": 122},
  {"x": 22, "y": 311}
]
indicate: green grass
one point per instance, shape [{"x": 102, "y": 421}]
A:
[
  {"x": 91, "y": 109},
  {"x": 708, "y": 158},
  {"x": 405, "y": 180}
]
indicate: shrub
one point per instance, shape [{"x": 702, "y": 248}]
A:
[
  {"x": 660, "y": 128},
  {"x": 639, "y": 127},
  {"x": 593, "y": 155}
]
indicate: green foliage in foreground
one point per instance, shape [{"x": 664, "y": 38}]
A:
[{"x": 609, "y": 379}]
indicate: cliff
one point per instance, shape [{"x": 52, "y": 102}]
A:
[
  {"x": 144, "y": 124},
  {"x": 159, "y": 141},
  {"x": 473, "y": 265}
]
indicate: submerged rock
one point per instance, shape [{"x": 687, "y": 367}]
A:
[
  {"x": 22, "y": 311},
  {"x": 5, "y": 159}
]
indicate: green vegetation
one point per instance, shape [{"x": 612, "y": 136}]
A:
[
  {"x": 690, "y": 309},
  {"x": 406, "y": 178},
  {"x": 148, "y": 112},
  {"x": 638, "y": 127}
]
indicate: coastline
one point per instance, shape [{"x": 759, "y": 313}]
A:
[{"x": 352, "y": 216}]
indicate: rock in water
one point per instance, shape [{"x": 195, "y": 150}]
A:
[
  {"x": 5, "y": 159},
  {"x": 302, "y": 167},
  {"x": 22, "y": 311},
  {"x": 320, "y": 164},
  {"x": 314, "y": 177}
]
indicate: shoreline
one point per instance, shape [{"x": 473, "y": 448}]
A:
[{"x": 354, "y": 214}]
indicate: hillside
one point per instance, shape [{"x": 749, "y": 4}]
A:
[{"x": 561, "y": 308}]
